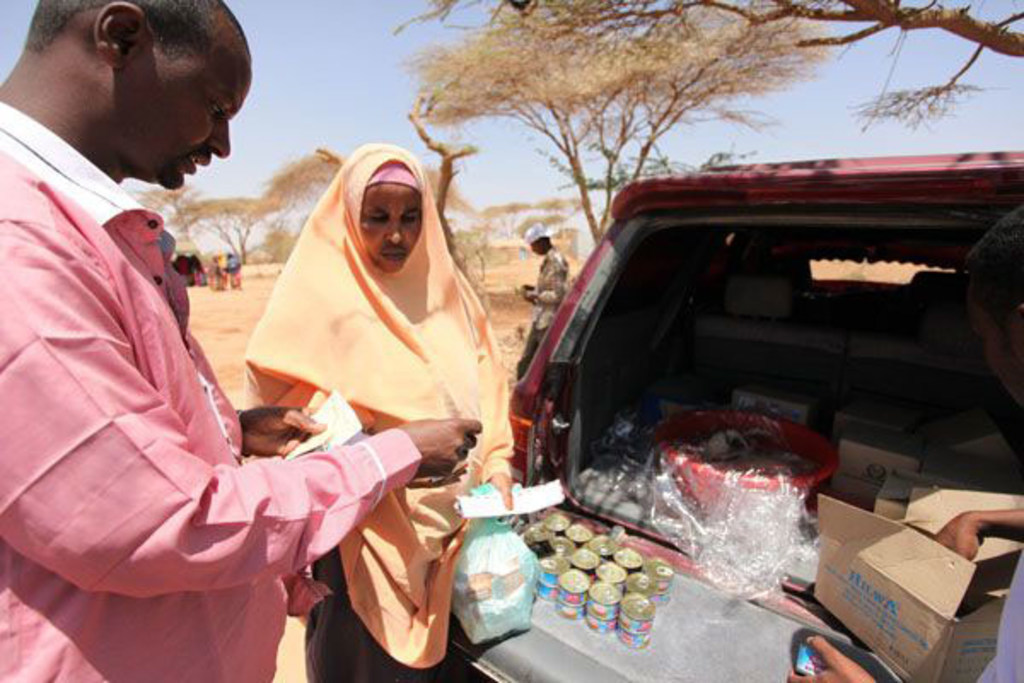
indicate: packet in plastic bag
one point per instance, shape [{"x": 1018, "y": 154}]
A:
[{"x": 495, "y": 577}]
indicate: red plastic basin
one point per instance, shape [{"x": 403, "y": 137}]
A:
[{"x": 703, "y": 481}]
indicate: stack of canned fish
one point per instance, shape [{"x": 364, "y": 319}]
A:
[{"x": 595, "y": 579}]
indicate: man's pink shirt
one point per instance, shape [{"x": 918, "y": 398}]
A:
[{"x": 133, "y": 546}]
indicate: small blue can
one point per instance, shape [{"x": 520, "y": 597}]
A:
[{"x": 548, "y": 593}]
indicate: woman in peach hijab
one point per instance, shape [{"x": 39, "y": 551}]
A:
[{"x": 372, "y": 306}]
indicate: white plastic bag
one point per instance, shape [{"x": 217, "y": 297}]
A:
[{"x": 495, "y": 577}]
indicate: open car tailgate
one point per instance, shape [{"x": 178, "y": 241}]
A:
[{"x": 700, "y": 635}]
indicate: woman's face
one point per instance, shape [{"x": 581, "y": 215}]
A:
[{"x": 391, "y": 221}]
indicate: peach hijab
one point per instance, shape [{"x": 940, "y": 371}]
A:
[{"x": 406, "y": 346}]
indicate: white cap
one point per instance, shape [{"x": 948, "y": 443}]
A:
[{"x": 538, "y": 231}]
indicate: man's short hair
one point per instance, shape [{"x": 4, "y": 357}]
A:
[
  {"x": 181, "y": 27},
  {"x": 996, "y": 265}
]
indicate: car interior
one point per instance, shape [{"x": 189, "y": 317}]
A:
[{"x": 696, "y": 310}]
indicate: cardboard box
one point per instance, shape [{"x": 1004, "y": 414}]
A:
[
  {"x": 776, "y": 403},
  {"x": 870, "y": 454},
  {"x": 891, "y": 416},
  {"x": 970, "y": 433},
  {"x": 899, "y": 591}
]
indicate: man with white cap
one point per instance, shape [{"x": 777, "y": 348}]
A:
[{"x": 552, "y": 284}]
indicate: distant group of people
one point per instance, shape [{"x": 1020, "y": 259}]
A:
[
  {"x": 227, "y": 271},
  {"x": 149, "y": 531}
]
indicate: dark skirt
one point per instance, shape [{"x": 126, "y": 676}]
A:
[{"x": 339, "y": 648}]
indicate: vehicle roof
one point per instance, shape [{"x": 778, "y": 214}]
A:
[{"x": 993, "y": 178}]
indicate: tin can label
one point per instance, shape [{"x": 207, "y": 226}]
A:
[
  {"x": 602, "y": 612},
  {"x": 635, "y": 641},
  {"x": 574, "y": 612},
  {"x": 549, "y": 593},
  {"x": 636, "y": 614},
  {"x": 660, "y": 599},
  {"x": 600, "y": 625}
]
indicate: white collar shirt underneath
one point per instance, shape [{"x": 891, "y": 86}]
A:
[{"x": 139, "y": 231}]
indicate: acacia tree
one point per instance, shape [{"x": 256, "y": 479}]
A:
[
  {"x": 299, "y": 183},
  {"x": 865, "y": 18},
  {"x": 603, "y": 103},
  {"x": 233, "y": 220}
]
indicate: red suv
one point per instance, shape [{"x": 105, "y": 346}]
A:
[{"x": 840, "y": 279}]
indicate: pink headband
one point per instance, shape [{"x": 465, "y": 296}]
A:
[{"x": 394, "y": 172}]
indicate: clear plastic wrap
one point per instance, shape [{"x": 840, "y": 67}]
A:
[
  {"x": 732, "y": 498},
  {"x": 620, "y": 473}
]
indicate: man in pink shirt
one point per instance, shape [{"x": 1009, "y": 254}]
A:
[{"x": 133, "y": 545}]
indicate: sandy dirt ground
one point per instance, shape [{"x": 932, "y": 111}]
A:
[{"x": 223, "y": 322}]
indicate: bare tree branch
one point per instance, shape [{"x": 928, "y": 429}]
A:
[
  {"x": 628, "y": 20},
  {"x": 449, "y": 155}
]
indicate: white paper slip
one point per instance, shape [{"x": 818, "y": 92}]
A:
[
  {"x": 343, "y": 426},
  {"x": 524, "y": 501}
]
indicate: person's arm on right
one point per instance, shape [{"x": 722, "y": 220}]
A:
[{"x": 965, "y": 533}]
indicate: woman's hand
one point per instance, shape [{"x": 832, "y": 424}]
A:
[
  {"x": 503, "y": 483},
  {"x": 271, "y": 431}
]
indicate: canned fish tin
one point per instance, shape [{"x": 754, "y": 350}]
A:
[
  {"x": 548, "y": 593},
  {"x": 662, "y": 573},
  {"x": 574, "y": 612},
  {"x": 537, "y": 537},
  {"x": 636, "y": 614},
  {"x": 585, "y": 560},
  {"x": 579, "y": 534},
  {"x": 551, "y": 568},
  {"x": 600, "y": 625},
  {"x": 572, "y": 587},
  {"x": 603, "y": 546},
  {"x": 562, "y": 547},
  {"x": 640, "y": 584},
  {"x": 629, "y": 559},
  {"x": 609, "y": 572},
  {"x": 635, "y": 641},
  {"x": 556, "y": 523},
  {"x": 603, "y": 601}
]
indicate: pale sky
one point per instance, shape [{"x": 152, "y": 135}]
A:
[{"x": 331, "y": 73}]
